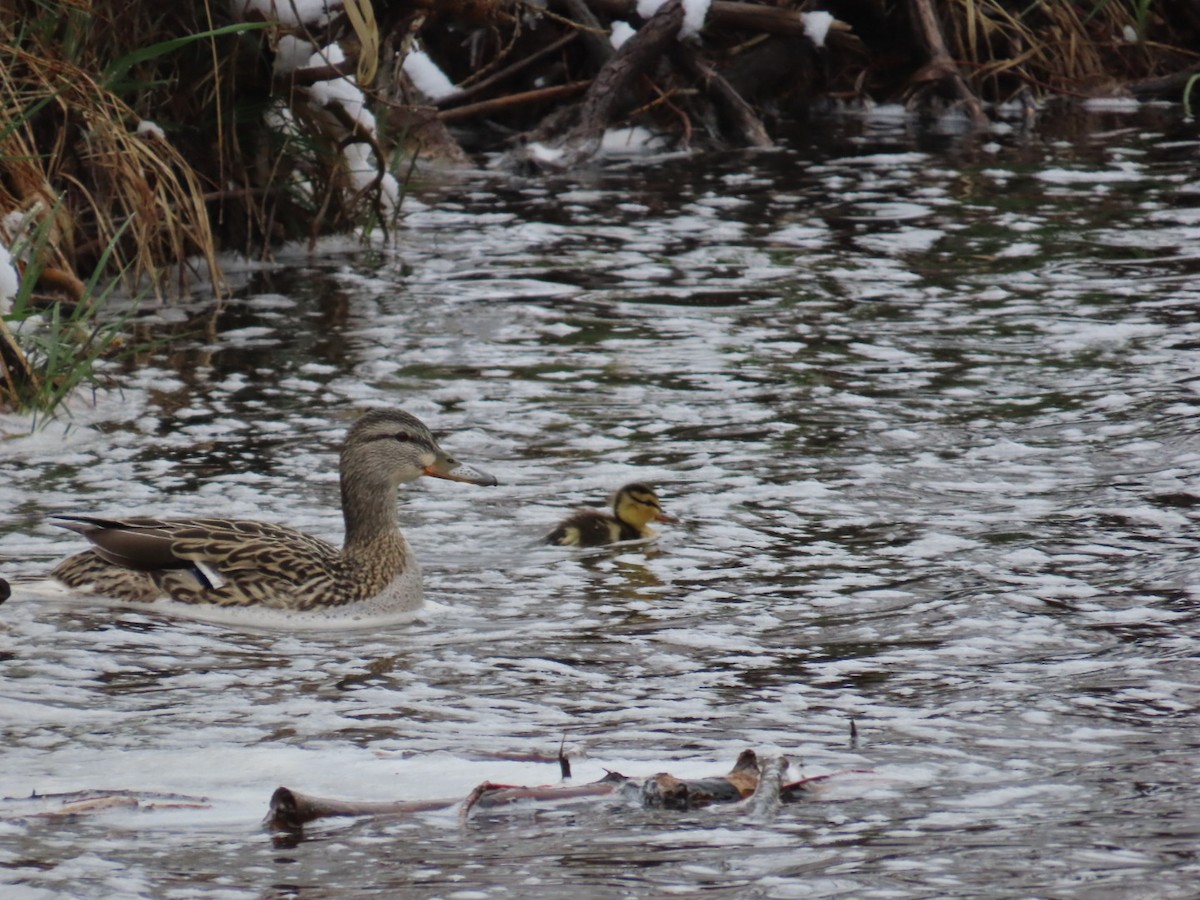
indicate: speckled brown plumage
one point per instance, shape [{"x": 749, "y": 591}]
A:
[{"x": 239, "y": 563}]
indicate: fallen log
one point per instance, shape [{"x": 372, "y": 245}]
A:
[
  {"x": 757, "y": 785},
  {"x": 291, "y": 810}
]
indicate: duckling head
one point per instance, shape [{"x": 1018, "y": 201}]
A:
[{"x": 637, "y": 505}]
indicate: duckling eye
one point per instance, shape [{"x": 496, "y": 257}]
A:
[{"x": 403, "y": 437}]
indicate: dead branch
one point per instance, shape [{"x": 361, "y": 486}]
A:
[
  {"x": 18, "y": 375},
  {"x": 756, "y": 784},
  {"x": 487, "y": 107},
  {"x": 737, "y": 112},
  {"x": 768, "y": 793},
  {"x": 730, "y": 16},
  {"x": 489, "y": 795},
  {"x": 82, "y": 803},
  {"x": 941, "y": 66},
  {"x": 611, "y": 85},
  {"x": 290, "y": 809},
  {"x": 507, "y": 72},
  {"x": 307, "y": 77}
]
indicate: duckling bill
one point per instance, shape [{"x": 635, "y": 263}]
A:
[
  {"x": 242, "y": 563},
  {"x": 634, "y": 507}
]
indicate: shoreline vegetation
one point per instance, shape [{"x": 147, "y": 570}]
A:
[{"x": 140, "y": 140}]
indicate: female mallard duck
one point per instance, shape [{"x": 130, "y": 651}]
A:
[
  {"x": 236, "y": 563},
  {"x": 634, "y": 507}
]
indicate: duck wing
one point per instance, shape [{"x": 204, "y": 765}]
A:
[
  {"x": 213, "y": 550},
  {"x": 586, "y": 528}
]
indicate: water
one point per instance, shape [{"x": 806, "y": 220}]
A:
[{"x": 926, "y": 406}]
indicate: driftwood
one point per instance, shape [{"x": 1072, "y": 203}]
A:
[
  {"x": 489, "y": 795},
  {"x": 82, "y": 803},
  {"x": 290, "y": 809},
  {"x": 756, "y": 785}
]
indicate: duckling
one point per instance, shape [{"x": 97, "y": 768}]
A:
[
  {"x": 242, "y": 563},
  {"x": 634, "y": 507}
]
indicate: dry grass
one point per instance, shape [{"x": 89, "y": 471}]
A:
[
  {"x": 1063, "y": 48},
  {"x": 70, "y": 143}
]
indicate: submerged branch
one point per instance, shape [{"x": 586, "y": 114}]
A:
[
  {"x": 756, "y": 784},
  {"x": 941, "y": 66},
  {"x": 290, "y": 809}
]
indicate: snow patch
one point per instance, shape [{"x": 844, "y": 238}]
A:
[
  {"x": 621, "y": 32},
  {"x": 9, "y": 282},
  {"x": 816, "y": 26},
  {"x": 146, "y": 128},
  {"x": 694, "y": 13},
  {"x": 428, "y": 78}
]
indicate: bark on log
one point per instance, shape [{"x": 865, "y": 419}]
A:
[
  {"x": 610, "y": 87},
  {"x": 290, "y": 810}
]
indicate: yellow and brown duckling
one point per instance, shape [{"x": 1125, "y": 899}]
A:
[
  {"x": 245, "y": 564},
  {"x": 634, "y": 507}
]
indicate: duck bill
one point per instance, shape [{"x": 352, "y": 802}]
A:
[{"x": 453, "y": 470}]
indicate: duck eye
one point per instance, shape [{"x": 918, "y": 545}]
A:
[{"x": 402, "y": 436}]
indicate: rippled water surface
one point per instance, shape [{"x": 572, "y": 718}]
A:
[{"x": 928, "y": 409}]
